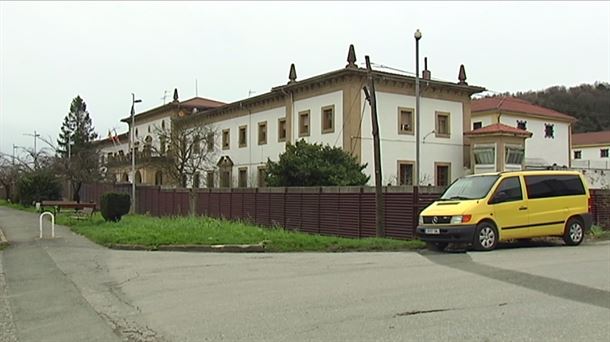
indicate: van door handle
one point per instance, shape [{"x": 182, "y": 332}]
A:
[{"x": 522, "y": 208}]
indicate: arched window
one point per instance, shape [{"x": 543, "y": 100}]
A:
[
  {"x": 159, "y": 178},
  {"x": 162, "y": 124},
  {"x": 125, "y": 177},
  {"x": 138, "y": 177}
]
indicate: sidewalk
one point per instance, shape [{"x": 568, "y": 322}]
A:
[{"x": 45, "y": 304}]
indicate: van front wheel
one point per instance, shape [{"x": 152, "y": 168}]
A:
[
  {"x": 485, "y": 237},
  {"x": 574, "y": 232}
]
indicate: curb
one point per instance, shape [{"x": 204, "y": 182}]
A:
[
  {"x": 259, "y": 248},
  {"x": 3, "y": 240}
]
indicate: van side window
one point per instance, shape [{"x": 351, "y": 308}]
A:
[
  {"x": 553, "y": 186},
  {"x": 509, "y": 190}
]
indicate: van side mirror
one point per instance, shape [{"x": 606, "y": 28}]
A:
[{"x": 499, "y": 197}]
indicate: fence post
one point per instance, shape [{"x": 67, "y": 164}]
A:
[{"x": 360, "y": 212}]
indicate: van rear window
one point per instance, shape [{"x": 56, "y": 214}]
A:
[{"x": 553, "y": 186}]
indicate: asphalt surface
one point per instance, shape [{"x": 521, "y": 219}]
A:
[{"x": 69, "y": 289}]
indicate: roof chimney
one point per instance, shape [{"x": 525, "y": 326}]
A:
[
  {"x": 292, "y": 76},
  {"x": 462, "y": 76},
  {"x": 351, "y": 57},
  {"x": 175, "y": 94},
  {"x": 426, "y": 74}
]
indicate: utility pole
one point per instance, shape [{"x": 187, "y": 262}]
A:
[
  {"x": 372, "y": 99},
  {"x": 35, "y": 135},
  {"x": 133, "y": 153},
  {"x": 417, "y": 37}
]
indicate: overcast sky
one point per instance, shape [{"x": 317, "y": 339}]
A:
[{"x": 104, "y": 51}]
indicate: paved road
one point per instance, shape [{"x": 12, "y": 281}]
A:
[{"x": 543, "y": 293}]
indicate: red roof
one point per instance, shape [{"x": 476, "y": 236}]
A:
[
  {"x": 591, "y": 138},
  {"x": 499, "y": 128},
  {"x": 513, "y": 104},
  {"x": 200, "y": 102}
]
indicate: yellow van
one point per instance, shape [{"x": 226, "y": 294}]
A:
[{"x": 486, "y": 208}]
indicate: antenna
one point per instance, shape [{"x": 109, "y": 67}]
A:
[
  {"x": 196, "y": 89},
  {"x": 164, "y": 95},
  {"x": 250, "y": 92}
]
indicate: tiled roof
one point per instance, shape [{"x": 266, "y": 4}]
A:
[
  {"x": 200, "y": 102},
  {"x": 513, "y": 104},
  {"x": 499, "y": 128},
  {"x": 591, "y": 138}
]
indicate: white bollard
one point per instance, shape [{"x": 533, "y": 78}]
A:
[{"x": 52, "y": 223}]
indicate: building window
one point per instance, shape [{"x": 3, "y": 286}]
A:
[
  {"x": 162, "y": 144},
  {"x": 243, "y": 136},
  {"x": 197, "y": 144},
  {"x": 159, "y": 178},
  {"x": 225, "y": 177},
  {"x": 138, "y": 177},
  {"x": 514, "y": 155},
  {"x": 163, "y": 124},
  {"x": 281, "y": 129},
  {"x": 477, "y": 125},
  {"x": 304, "y": 124},
  {"x": 262, "y": 133},
  {"x": 549, "y": 131},
  {"x": 209, "y": 181},
  {"x": 484, "y": 154},
  {"x": 443, "y": 174},
  {"x": 136, "y": 132},
  {"x": 242, "y": 177},
  {"x": 328, "y": 119},
  {"x": 262, "y": 177},
  {"x": 442, "y": 125},
  {"x": 226, "y": 139},
  {"x": 522, "y": 124},
  {"x": 405, "y": 120},
  {"x": 603, "y": 153},
  {"x": 210, "y": 141},
  {"x": 577, "y": 154},
  {"x": 196, "y": 180},
  {"x": 405, "y": 173}
]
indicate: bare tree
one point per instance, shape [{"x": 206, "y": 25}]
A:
[{"x": 184, "y": 152}]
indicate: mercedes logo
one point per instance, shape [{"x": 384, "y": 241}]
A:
[{"x": 435, "y": 220}]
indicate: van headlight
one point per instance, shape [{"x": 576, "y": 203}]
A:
[{"x": 460, "y": 219}]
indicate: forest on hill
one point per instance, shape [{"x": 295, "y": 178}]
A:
[{"x": 588, "y": 103}]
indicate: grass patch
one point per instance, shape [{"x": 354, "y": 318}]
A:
[
  {"x": 154, "y": 231},
  {"x": 599, "y": 233},
  {"x": 17, "y": 206}
]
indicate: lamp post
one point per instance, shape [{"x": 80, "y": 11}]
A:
[
  {"x": 417, "y": 36},
  {"x": 133, "y": 153},
  {"x": 35, "y": 135}
]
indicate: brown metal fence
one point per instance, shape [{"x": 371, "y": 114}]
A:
[{"x": 340, "y": 211}]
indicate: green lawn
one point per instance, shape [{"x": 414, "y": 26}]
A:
[{"x": 152, "y": 232}]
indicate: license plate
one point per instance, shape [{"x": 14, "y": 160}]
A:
[{"x": 433, "y": 231}]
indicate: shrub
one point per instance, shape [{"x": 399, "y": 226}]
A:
[
  {"x": 37, "y": 186},
  {"x": 114, "y": 205}
]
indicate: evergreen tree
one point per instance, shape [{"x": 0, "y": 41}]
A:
[
  {"x": 77, "y": 156},
  {"x": 76, "y": 130}
]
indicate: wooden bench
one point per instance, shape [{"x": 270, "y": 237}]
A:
[{"x": 57, "y": 206}]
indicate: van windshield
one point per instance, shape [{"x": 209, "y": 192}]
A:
[{"x": 466, "y": 188}]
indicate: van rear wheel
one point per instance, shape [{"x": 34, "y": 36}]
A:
[
  {"x": 485, "y": 237},
  {"x": 574, "y": 232}
]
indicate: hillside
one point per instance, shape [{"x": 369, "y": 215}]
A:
[{"x": 589, "y": 103}]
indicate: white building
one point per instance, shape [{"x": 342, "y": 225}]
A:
[
  {"x": 331, "y": 109},
  {"x": 551, "y": 130},
  {"x": 590, "y": 150}
]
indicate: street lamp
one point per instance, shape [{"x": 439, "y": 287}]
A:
[
  {"x": 417, "y": 36},
  {"x": 35, "y": 135},
  {"x": 133, "y": 153}
]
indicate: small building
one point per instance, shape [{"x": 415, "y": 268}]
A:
[
  {"x": 497, "y": 147},
  {"x": 549, "y": 144},
  {"x": 591, "y": 150}
]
